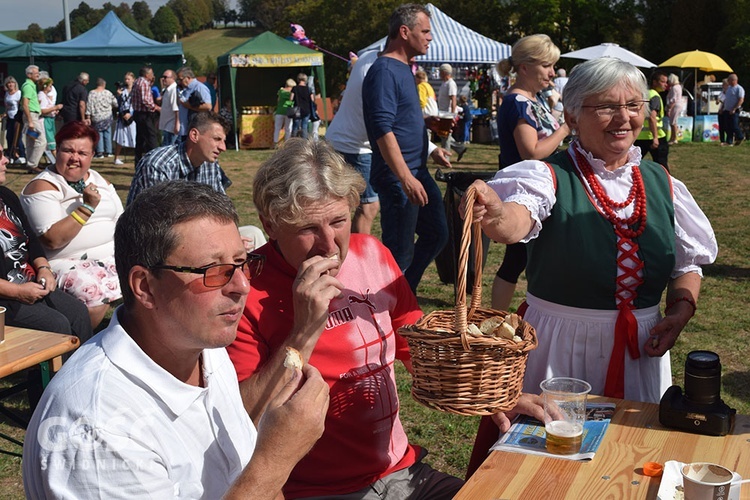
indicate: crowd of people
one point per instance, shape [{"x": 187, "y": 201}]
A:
[{"x": 188, "y": 384}]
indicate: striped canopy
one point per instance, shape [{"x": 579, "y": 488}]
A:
[{"x": 453, "y": 42}]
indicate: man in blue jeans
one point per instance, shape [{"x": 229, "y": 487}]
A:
[{"x": 410, "y": 200}]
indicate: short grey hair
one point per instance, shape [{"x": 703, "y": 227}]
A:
[
  {"x": 303, "y": 172},
  {"x": 145, "y": 236},
  {"x": 405, "y": 15},
  {"x": 82, "y": 77},
  {"x": 30, "y": 68},
  {"x": 185, "y": 71},
  {"x": 597, "y": 76}
]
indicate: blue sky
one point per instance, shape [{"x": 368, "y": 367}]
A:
[{"x": 48, "y": 13}]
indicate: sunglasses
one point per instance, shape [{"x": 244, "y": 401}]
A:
[{"x": 218, "y": 275}]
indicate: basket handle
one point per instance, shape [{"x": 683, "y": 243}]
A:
[{"x": 470, "y": 229}]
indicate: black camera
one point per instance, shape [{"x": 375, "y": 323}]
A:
[
  {"x": 119, "y": 85},
  {"x": 700, "y": 410}
]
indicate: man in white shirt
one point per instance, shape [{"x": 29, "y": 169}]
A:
[
  {"x": 169, "y": 119},
  {"x": 446, "y": 100},
  {"x": 348, "y": 135},
  {"x": 151, "y": 407}
]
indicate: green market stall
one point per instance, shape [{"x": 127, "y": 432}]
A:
[{"x": 252, "y": 73}]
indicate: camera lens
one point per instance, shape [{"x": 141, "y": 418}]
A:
[{"x": 703, "y": 377}]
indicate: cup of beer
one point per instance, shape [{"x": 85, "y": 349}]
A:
[
  {"x": 564, "y": 402},
  {"x": 445, "y": 123}
]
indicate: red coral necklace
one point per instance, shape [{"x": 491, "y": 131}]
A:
[{"x": 637, "y": 194}]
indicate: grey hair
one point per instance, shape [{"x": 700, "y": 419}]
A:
[
  {"x": 145, "y": 236},
  {"x": 673, "y": 79},
  {"x": 405, "y": 15},
  {"x": 82, "y": 77},
  {"x": 300, "y": 173},
  {"x": 101, "y": 82},
  {"x": 30, "y": 68},
  {"x": 185, "y": 72},
  {"x": 596, "y": 76}
]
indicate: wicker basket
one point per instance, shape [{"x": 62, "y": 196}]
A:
[{"x": 455, "y": 372}]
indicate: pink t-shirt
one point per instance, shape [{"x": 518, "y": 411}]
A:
[{"x": 363, "y": 438}]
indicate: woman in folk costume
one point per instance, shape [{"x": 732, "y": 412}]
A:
[{"x": 607, "y": 233}]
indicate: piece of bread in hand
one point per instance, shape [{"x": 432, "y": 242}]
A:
[{"x": 293, "y": 359}]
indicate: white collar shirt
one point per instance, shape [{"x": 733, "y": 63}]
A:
[{"x": 114, "y": 424}]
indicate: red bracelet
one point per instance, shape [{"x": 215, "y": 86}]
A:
[{"x": 681, "y": 299}]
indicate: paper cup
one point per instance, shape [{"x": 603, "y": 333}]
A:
[{"x": 706, "y": 481}]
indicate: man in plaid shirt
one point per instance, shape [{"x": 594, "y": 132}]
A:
[
  {"x": 146, "y": 114},
  {"x": 194, "y": 159}
]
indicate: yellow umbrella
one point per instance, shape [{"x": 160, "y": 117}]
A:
[
  {"x": 698, "y": 60},
  {"x": 704, "y": 61}
]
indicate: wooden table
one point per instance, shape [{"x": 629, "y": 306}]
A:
[
  {"x": 634, "y": 437},
  {"x": 24, "y": 348}
]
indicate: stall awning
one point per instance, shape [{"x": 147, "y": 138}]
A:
[
  {"x": 453, "y": 42},
  {"x": 269, "y": 50}
]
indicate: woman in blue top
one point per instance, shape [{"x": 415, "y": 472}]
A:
[{"x": 527, "y": 132}]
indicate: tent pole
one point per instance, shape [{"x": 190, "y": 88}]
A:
[
  {"x": 322, "y": 85},
  {"x": 232, "y": 77}
]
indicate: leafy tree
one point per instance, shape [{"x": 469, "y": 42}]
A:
[
  {"x": 193, "y": 14},
  {"x": 33, "y": 33},
  {"x": 210, "y": 65},
  {"x": 220, "y": 8},
  {"x": 193, "y": 63},
  {"x": 246, "y": 13},
  {"x": 142, "y": 12},
  {"x": 230, "y": 16},
  {"x": 164, "y": 25}
]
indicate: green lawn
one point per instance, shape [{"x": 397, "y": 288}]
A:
[
  {"x": 214, "y": 42},
  {"x": 716, "y": 176}
]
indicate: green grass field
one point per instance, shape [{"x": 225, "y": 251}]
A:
[{"x": 716, "y": 176}]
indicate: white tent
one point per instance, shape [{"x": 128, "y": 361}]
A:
[
  {"x": 453, "y": 42},
  {"x": 610, "y": 50}
]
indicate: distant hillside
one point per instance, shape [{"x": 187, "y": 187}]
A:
[
  {"x": 10, "y": 34},
  {"x": 215, "y": 42}
]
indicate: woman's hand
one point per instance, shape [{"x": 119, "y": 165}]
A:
[
  {"x": 91, "y": 195},
  {"x": 30, "y": 292},
  {"x": 50, "y": 282},
  {"x": 528, "y": 404}
]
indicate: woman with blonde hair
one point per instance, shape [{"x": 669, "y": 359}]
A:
[
  {"x": 283, "y": 116},
  {"x": 527, "y": 131},
  {"x": 675, "y": 105}
]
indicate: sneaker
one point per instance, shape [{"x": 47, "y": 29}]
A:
[
  {"x": 739, "y": 141},
  {"x": 99, "y": 155},
  {"x": 20, "y": 161},
  {"x": 109, "y": 155},
  {"x": 119, "y": 162}
]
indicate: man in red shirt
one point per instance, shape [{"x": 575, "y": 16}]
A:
[{"x": 145, "y": 114}]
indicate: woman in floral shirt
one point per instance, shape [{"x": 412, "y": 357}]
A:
[{"x": 99, "y": 108}]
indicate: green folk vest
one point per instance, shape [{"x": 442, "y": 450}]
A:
[
  {"x": 573, "y": 261},
  {"x": 646, "y": 132}
]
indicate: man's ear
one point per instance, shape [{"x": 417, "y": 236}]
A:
[
  {"x": 193, "y": 135},
  {"x": 403, "y": 32},
  {"x": 141, "y": 281}
]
